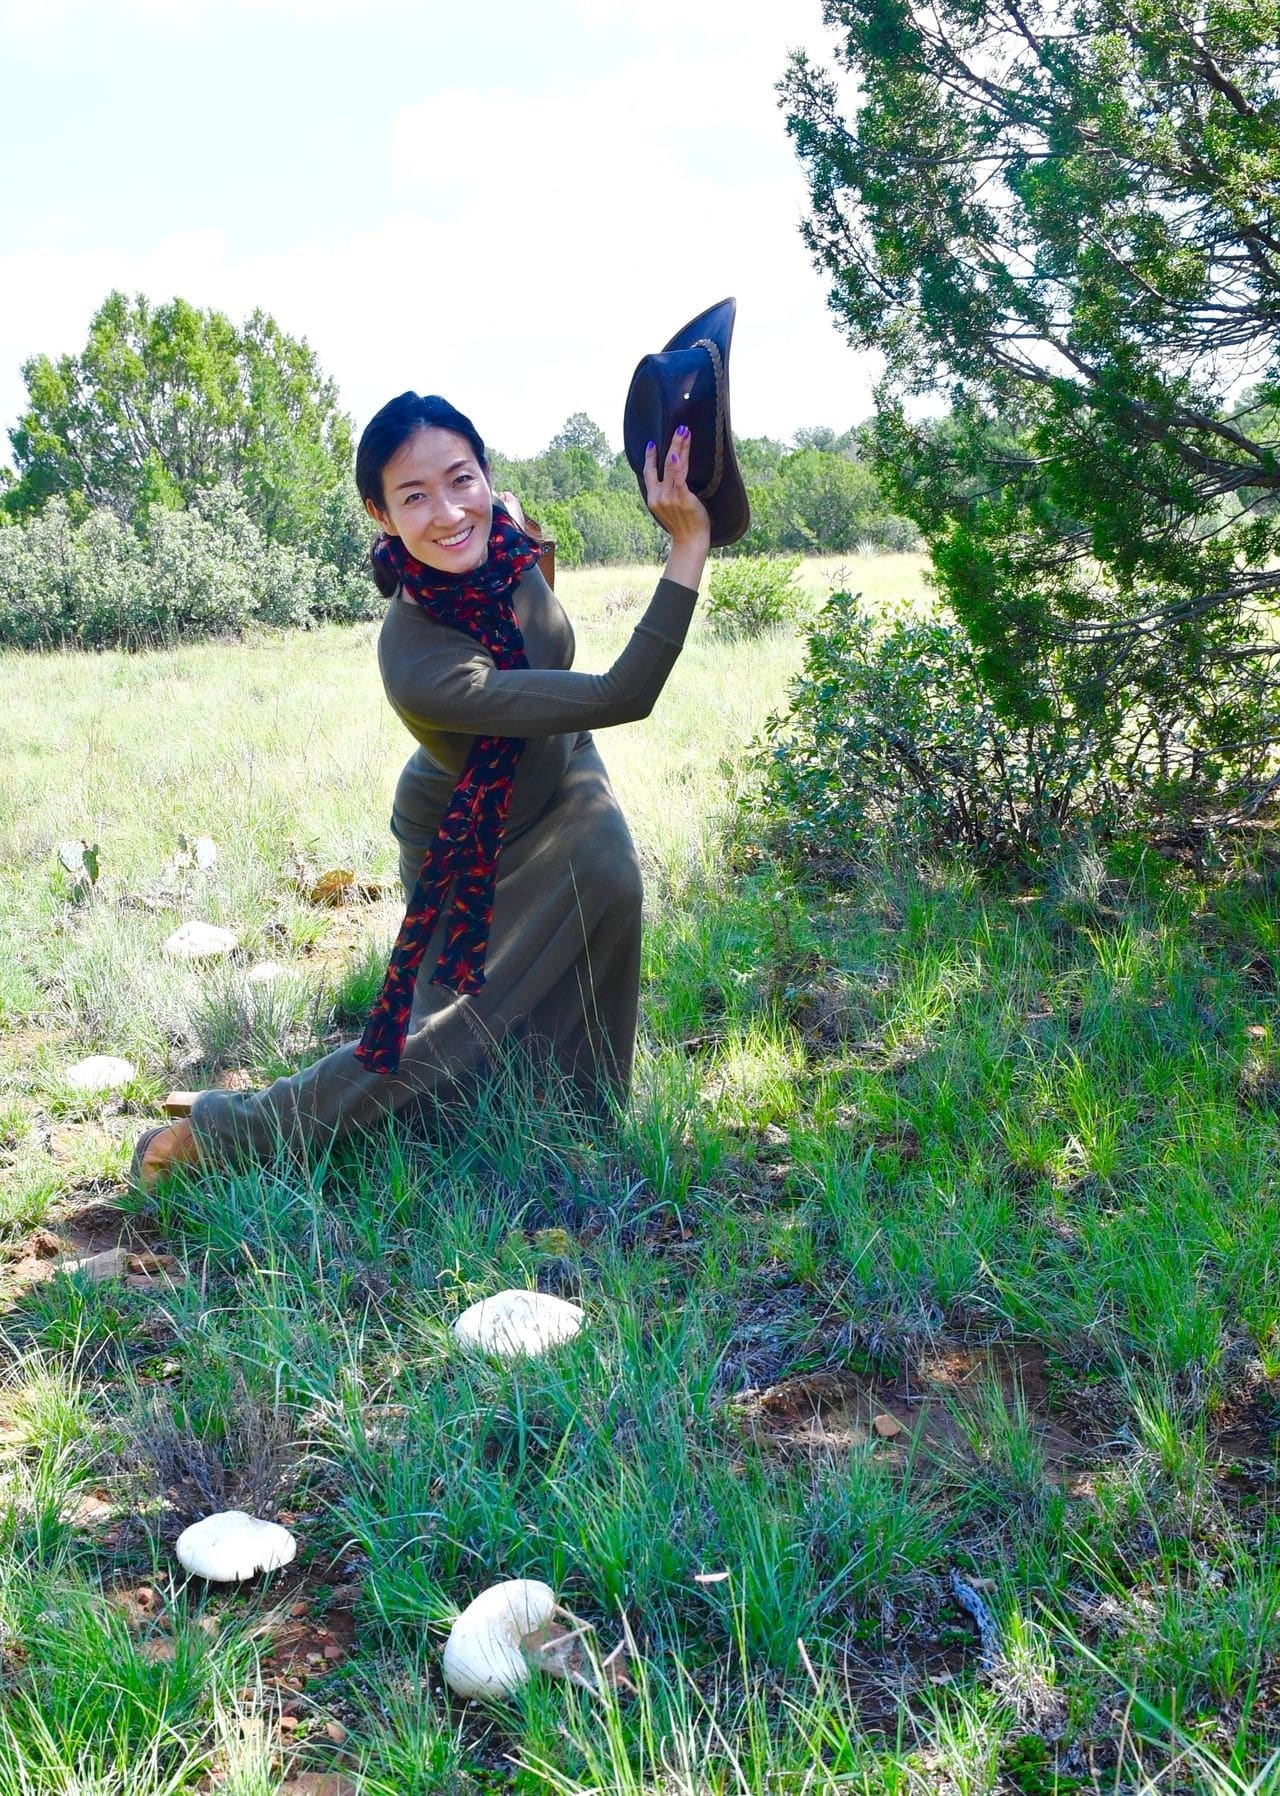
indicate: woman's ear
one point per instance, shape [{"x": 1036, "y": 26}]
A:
[{"x": 378, "y": 517}]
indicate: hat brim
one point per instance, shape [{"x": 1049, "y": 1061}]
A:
[{"x": 679, "y": 386}]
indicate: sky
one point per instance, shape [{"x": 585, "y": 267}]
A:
[{"x": 508, "y": 203}]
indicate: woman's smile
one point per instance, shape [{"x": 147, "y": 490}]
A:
[{"x": 438, "y": 500}]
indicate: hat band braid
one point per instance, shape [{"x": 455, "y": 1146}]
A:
[{"x": 713, "y": 350}]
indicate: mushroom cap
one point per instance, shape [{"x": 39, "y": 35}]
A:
[
  {"x": 200, "y": 941},
  {"x": 232, "y": 1545},
  {"x": 515, "y": 1322},
  {"x": 100, "y": 1072},
  {"x": 482, "y": 1655}
]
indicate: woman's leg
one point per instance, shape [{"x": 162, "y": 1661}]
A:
[{"x": 563, "y": 964}]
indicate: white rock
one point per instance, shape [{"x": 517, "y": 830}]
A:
[
  {"x": 204, "y": 851},
  {"x": 482, "y": 1656},
  {"x": 200, "y": 941},
  {"x": 515, "y": 1322},
  {"x": 100, "y": 1072},
  {"x": 265, "y": 973},
  {"x": 233, "y": 1545}
]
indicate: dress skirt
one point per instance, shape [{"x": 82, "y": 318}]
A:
[{"x": 562, "y": 977}]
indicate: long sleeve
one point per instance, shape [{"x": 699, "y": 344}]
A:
[{"x": 439, "y": 678}]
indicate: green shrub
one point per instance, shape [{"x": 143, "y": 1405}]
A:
[
  {"x": 557, "y": 522},
  {"x": 891, "y": 731},
  {"x": 199, "y": 572},
  {"x": 614, "y": 528},
  {"x": 752, "y": 594}
]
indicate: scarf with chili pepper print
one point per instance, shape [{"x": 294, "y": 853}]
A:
[{"x": 464, "y": 855}]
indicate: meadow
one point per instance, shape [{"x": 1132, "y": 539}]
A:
[{"x": 922, "y": 1436}]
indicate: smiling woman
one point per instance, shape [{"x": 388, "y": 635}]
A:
[
  {"x": 432, "y": 492},
  {"x": 522, "y": 883}
]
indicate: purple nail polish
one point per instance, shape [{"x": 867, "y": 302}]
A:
[
  {"x": 682, "y": 430},
  {"x": 649, "y": 448},
  {"x": 674, "y": 456}
]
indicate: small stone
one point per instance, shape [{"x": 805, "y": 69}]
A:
[
  {"x": 517, "y": 1322},
  {"x": 332, "y": 1651},
  {"x": 299, "y": 1610},
  {"x": 288, "y": 1723},
  {"x": 101, "y": 1072},
  {"x": 139, "y": 1271},
  {"x": 886, "y": 1426},
  {"x": 113, "y": 1262},
  {"x": 315, "y": 1658},
  {"x": 336, "y": 1732},
  {"x": 266, "y": 972},
  {"x": 200, "y": 941}
]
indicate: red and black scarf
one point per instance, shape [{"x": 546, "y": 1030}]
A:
[{"x": 464, "y": 854}]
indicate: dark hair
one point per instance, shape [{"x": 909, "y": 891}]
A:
[{"x": 387, "y": 431}]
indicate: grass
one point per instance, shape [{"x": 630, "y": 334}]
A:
[{"x": 1001, "y": 1159}]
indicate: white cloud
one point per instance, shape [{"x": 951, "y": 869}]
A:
[{"x": 540, "y": 243}]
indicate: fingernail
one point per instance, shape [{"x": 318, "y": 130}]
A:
[
  {"x": 682, "y": 430},
  {"x": 674, "y": 456},
  {"x": 649, "y": 448}
]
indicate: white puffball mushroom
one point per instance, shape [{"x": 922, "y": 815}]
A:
[
  {"x": 100, "y": 1072},
  {"x": 232, "y": 1545},
  {"x": 515, "y": 1322},
  {"x": 200, "y": 941},
  {"x": 482, "y": 1656}
]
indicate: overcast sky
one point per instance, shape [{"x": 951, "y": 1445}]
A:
[{"x": 507, "y": 202}]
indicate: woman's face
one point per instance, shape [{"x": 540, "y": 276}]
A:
[{"x": 437, "y": 501}]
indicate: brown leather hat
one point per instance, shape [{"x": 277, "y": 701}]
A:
[{"x": 688, "y": 383}]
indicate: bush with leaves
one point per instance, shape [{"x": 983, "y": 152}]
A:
[
  {"x": 557, "y": 523},
  {"x": 751, "y": 594},
  {"x": 614, "y": 527},
  {"x": 167, "y": 402},
  {"x": 1060, "y": 220},
  {"x": 893, "y": 734},
  {"x": 204, "y": 571}
]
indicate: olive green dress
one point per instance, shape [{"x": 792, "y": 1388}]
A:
[{"x": 562, "y": 972}]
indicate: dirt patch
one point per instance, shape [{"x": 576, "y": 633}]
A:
[
  {"x": 95, "y": 1228},
  {"x": 944, "y": 1402},
  {"x": 304, "y": 1636},
  {"x": 308, "y": 1641}
]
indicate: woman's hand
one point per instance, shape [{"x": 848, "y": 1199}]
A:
[{"x": 680, "y": 512}]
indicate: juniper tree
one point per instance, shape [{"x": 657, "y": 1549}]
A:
[
  {"x": 1063, "y": 221},
  {"x": 166, "y": 403}
]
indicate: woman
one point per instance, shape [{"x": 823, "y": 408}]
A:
[{"x": 520, "y": 874}]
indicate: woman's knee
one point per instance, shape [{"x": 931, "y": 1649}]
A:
[{"x": 612, "y": 875}]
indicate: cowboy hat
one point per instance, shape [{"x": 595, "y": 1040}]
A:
[{"x": 688, "y": 383}]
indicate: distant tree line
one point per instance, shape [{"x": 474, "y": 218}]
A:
[
  {"x": 187, "y": 475},
  {"x": 814, "y": 496}
]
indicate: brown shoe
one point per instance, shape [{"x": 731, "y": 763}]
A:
[{"x": 162, "y": 1151}]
